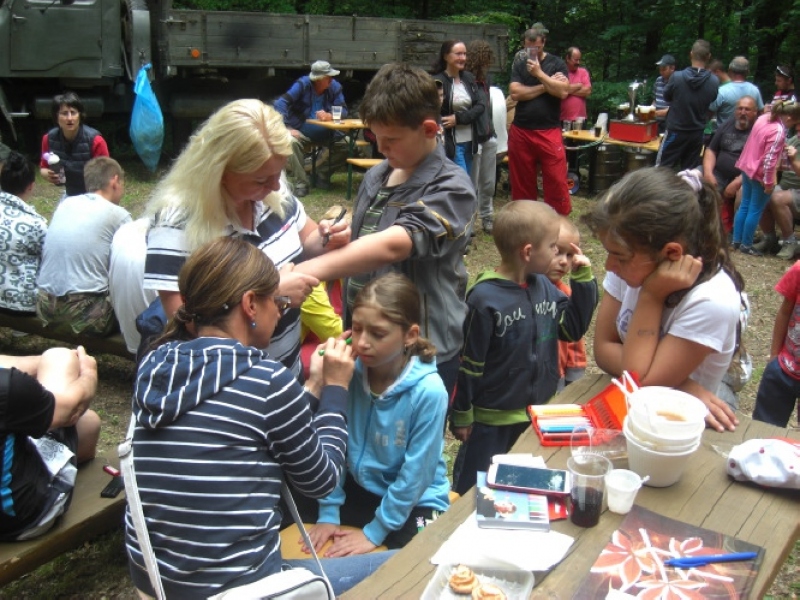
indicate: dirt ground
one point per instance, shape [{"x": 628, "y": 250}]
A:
[{"x": 99, "y": 570}]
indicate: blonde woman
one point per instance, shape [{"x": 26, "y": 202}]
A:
[{"x": 229, "y": 181}]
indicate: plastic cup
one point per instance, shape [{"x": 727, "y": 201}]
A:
[
  {"x": 578, "y": 124},
  {"x": 622, "y": 486},
  {"x": 588, "y": 472},
  {"x": 566, "y": 126},
  {"x": 336, "y": 111}
]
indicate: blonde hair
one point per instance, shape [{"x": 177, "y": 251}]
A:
[
  {"x": 570, "y": 227},
  {"x": 240, "y": 137},
  {"x": 520, "y": 223}
]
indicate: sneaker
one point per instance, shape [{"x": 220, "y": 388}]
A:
[
  {"x": 300, "y": 190},
  {"x": 487, "y": 226},
  {"x": 769, "y": 244},
  {"x": 735, "y": 245},
  {"x": 788, "y": 249},
  {"x": 750, "y": 251}
]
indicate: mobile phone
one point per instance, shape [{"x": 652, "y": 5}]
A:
[
  {"x": 114, "y": 487},
  {"x": 553, "y": 482}
]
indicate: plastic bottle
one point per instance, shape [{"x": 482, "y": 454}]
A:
[{"x": 54, "y": 162}]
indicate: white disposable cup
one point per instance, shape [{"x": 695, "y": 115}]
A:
[
  {"x": 622, "y": 486},
  {"x": 336, "y": 111}
]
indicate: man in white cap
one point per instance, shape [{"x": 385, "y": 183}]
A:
[{"x": 310, "y": 97}]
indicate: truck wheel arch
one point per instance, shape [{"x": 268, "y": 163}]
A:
[{"x": 136, "y": 40}]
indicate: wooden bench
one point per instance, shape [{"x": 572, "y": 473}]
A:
[
  {"x": 114, "y": 344},
  {"x": 88, "y": 516},
  {"x": 359, "y": 163}
]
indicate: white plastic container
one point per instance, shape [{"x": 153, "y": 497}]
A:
[
  {"x": 666, "y": 412},
  {"x": 515, "y": 583},
  {"x": 664, "y": 469},
  {"x": 658, "y": 442}
]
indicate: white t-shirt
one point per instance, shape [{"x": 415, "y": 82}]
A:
[
  {"x": 706, "y": 315},
  {"x": 499, "y": 115},
  {"x": 126, "y": 279},
  {"x": 77, "y": 246},
  {"x": 462, "y": 101}
]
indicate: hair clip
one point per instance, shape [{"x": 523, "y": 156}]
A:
[{"x": 692, "y": 177}]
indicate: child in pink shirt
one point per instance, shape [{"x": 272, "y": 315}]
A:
[
  {"x": 759, "y": 165},
  {"x": 780, "y": 384}
]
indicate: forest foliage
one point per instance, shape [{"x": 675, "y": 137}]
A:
[{"x": 620, "y": 40}]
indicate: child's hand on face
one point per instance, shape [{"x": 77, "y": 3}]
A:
[
  {"x": 579, "y": 259},
  {"x": 672, "y": 276}
]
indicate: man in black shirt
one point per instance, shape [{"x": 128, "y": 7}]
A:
[
  {"x": 538, "y": 83},
  {"x": 45, "y": 426},
  {"x": 719, "y": 158}
]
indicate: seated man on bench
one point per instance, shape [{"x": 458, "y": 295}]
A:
[
  {"x": 45, "y": 428},
  {"x": 312, "y": 96},
  {"x": 73, "y": 278}
]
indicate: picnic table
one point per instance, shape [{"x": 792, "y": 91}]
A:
[
  {"x": 350, "y": 128},
  {"x": 705, "y": 496}
]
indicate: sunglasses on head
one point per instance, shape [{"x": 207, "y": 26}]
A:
[{"x": 783, "y": 71}]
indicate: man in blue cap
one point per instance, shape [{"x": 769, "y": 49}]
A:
[{"x": 666, "y": 67}]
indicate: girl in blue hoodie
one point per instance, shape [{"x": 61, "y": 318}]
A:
[{"x": 396, "y": 479}]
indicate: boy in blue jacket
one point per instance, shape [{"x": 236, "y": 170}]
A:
[{"x": 516, "y": 317}]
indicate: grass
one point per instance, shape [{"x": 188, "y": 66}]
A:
[{"x": 99, "y": 569}]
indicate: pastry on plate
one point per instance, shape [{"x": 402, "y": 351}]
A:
[
  {"x": 463, "y": 580},
  {"x": 488, "y": 591}
]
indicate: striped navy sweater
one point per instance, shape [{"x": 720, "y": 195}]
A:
[{"x": 219, "y": 425}]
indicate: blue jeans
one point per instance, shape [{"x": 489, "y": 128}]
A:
[
  {"x": 463, "y": 157},
  {"x": 777, "y": 395},
  {"x": 346, "y": 572},
  {"x": 754, "y": 199}
]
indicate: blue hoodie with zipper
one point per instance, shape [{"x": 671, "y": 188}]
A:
[{"x": 395, "y": 447}]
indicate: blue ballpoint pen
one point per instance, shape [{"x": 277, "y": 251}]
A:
[{"x": 687, "y": 562}]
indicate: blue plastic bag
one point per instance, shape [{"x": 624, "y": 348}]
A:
[{"x": 147, "y": 122}]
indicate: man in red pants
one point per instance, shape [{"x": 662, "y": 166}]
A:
[{"x": 538, "y": 83}]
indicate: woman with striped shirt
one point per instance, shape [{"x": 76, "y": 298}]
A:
[{"x": 219, "y": 425}]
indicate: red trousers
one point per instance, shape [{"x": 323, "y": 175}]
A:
[{"x": 529, "y": 148}]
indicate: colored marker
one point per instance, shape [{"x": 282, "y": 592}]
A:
[{"x": 348, "y": 341}]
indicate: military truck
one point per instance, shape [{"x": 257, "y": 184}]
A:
[{"x": 201, "y": 59}]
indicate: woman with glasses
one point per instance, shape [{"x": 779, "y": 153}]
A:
[
  {"x": 219, "y": 425},
  {"x": 229, "y": 182},
  {"x": 73, "y": 142}
]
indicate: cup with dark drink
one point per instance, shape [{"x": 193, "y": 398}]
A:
[{"x": 588, "y": 473}]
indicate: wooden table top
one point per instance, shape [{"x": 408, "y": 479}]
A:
[
  {"x": 587, "y": 136},
  {"x": 343, "y": 125},
  {"x": 705, "y": 496}
]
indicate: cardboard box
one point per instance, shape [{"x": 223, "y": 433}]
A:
[{"x": 628, "y": 131}]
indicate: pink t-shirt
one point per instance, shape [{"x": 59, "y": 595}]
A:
[
  {"x": 789, "y": 357},
  {"x": 573, "y": 107}
]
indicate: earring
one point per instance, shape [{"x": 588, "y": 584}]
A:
[{"x": 253, "y": 324}]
